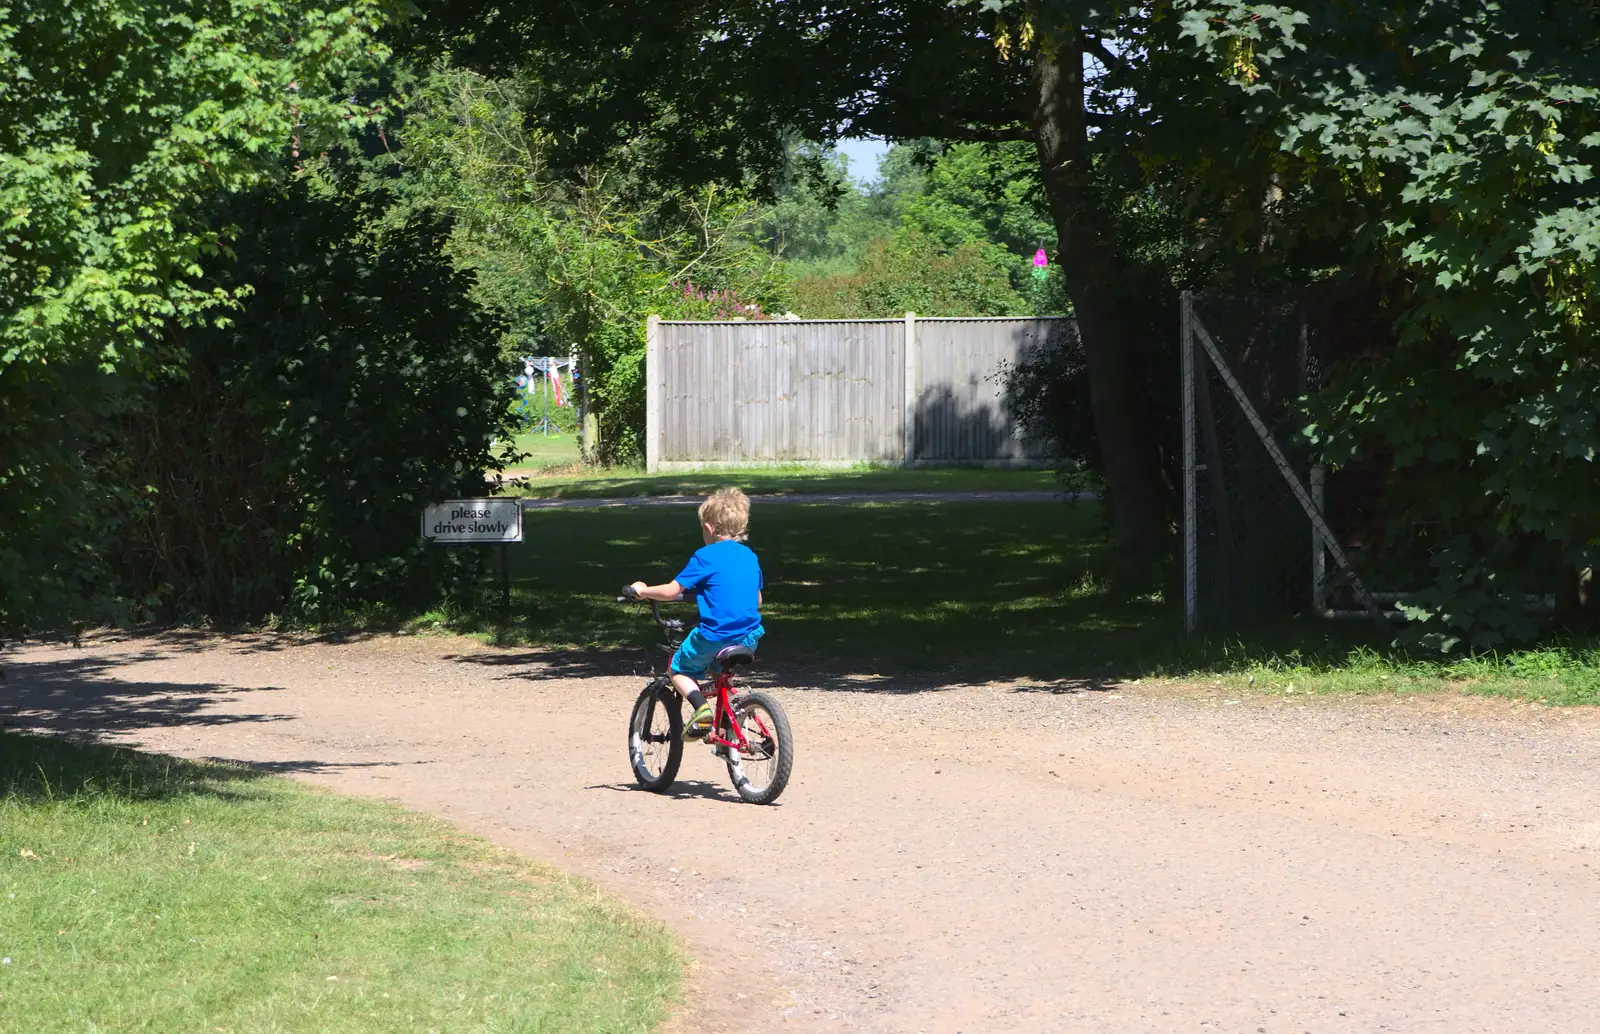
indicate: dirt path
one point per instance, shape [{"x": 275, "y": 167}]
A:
[{"x": 966, "y": 859}]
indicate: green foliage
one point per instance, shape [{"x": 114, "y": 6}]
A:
[
  {"x": 579, "y": 257},
  {"x": 119, "y": 123},
  {"x": 722, "y": 88},
  {"x": 1451, "y": 148},
  {"x": 821, "y": 221},
  {"x": 54, "y": 438},
  {"x": 288, "y": 452},
  {"x": 945, "y": 231},
  {"x": 531, "y": 407},
  {"x": 912, "y": 274},
  {"x": 120, "y": 120},
  {"x": 984, "y": 194}
]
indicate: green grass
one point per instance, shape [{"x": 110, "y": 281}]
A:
[
  {"x": 552, "y": 451},
  {"x": 1557, "y": 673},
  {"x": 782, "y": 480},
  {"x": 144, "y": 893},
  {"x": 940, "y": 592}
]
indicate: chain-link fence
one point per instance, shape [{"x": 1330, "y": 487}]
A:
[{"x": 1253, "y": 549}]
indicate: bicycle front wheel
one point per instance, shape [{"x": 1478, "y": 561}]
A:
[
  {"x": 761, "y": 772},
  {"x": 655, "y": 736}
]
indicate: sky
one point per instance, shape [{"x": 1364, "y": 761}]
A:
[{"x": 863, "y": 155}]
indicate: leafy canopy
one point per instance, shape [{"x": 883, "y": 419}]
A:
[{"x": 1452, "y": 148}]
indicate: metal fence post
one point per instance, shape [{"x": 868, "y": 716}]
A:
[
  {"x": 908, "y": 415},
  {"x": 653, "y": 377},
  {"x": 1319, "y": 554},
  {"x": 1191, "y": 547},
  {"x": 1276, "y": 454}
]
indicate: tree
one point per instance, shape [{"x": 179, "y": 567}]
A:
[
  {"x": 578, "y": 257},
  {"x": 722, "y": 87},
  {"x": 819, "y": 219},
  {"x": 911, "y": 273},
  {"x": 940, "y": 232},
  {"x": 119, "y": 122},
  {"x": 986, "y": 194},
  {"x": 1447, "y": 150},
  {"x": 279, "y": 455}
]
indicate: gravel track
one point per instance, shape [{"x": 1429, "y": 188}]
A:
[{"x": 962, "y": 858}]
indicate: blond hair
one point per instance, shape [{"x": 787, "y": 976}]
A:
[{"x": 727, "y": 511}]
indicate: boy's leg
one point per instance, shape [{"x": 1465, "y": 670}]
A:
[
  {"x": 692, "y": 659},
  {"x": 688, "y": 688}
]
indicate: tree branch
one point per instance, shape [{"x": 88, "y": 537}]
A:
[
  {"x": 979, "y": 134},
  {"x": 1096, "y": 46}
]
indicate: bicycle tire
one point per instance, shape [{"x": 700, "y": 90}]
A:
[
  {"x": 781, "y": 765},
  {"x": 653, "y": 700}
]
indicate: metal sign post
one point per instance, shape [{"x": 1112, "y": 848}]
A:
[{"x": 468, "y": 521}]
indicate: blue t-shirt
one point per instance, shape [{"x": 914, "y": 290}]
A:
[{"x": 725, "y": 580}]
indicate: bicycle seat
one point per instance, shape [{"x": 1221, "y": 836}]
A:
[{"x": 730, "y": 656}]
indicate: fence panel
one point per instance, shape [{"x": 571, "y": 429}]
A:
[
  {"x": 781, "y": 391},
  {"x": 834, "y": 391},
  {"x": 961, "y": 413}
]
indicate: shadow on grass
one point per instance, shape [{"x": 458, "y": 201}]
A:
[
  {"x": 795, "y": 480},
  {"x": 903, "y": 597},
  {"x": 893, "y": 598},
  {"x": 39, "y": 769}
]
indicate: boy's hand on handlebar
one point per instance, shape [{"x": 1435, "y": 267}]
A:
[{"x": 658, "y": 593}]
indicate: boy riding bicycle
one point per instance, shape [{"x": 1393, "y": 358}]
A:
[{"x": 724, "y": 578}]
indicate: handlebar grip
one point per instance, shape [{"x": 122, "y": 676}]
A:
[{"x": 628, "y": 593}]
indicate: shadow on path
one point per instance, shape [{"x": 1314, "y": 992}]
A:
[
  {"x": 79, "y": 697},
  {"x": 681, "y": 790},
  {"x": 541, "y": 665}
]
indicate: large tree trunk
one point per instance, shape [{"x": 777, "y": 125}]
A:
[{"x": 1123, "y": 419}]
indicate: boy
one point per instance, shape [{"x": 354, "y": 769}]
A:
[{"x": 725, "y": 580}]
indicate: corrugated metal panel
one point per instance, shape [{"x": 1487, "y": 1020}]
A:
[{"x": 834, "y": 390}]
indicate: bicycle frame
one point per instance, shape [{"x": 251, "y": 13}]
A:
[
  {"x": 722, "y": 684},
  {"x": 724, "y": 706}
]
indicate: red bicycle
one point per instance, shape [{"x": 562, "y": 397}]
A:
[{"x": 749, "y": 730}]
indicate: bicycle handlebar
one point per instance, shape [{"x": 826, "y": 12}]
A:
[{"x": 629, "y": 594}]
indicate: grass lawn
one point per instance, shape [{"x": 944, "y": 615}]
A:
[
  {"x": 546, "y": 451},
  {"x": 963, "y": 591},
  {"x": 786, "y": 480},
  {"x": 144, "y": 893}
]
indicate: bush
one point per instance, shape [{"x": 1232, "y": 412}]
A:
[
  {"x": 287, "y": 454},
  {"x": 911, "y": 274}
]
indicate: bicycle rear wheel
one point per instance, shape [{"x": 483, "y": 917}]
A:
[
  {"x": 655, "y": 736},
  {"x": 760, "y": 773}
]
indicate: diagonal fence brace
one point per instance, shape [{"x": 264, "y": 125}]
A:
[{"x": 1301, "y": 495}]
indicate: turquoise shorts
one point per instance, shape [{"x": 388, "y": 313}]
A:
[{"x": 698, "y": 654}]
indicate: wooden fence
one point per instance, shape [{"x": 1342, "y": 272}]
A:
[{"x": 913, "y": 391}]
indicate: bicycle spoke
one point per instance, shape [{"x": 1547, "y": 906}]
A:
[
  {"x": 758, "y": 761},
  {"x": 652, "y": 737}
]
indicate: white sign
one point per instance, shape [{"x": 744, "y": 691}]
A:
[{"x": 473, "y": 520}]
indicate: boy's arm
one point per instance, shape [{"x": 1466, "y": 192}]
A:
[{"x": 663, "y": 593}]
